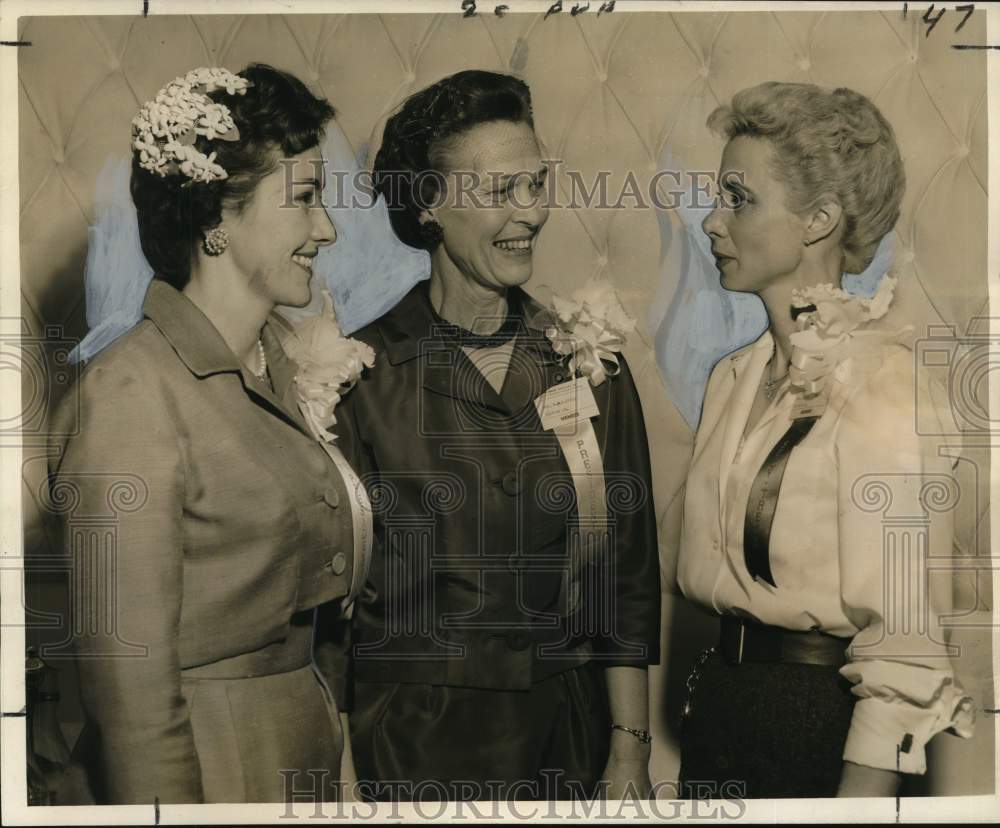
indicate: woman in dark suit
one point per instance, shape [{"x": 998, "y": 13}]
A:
[
  {"x": 495, "y": 661},
  {"x": 832, "y": 672},
  {"x": 236, "y": 524}
]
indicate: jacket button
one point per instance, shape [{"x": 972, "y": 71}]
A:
[
  {"x": 339, "y": 563},
  {"x": 518, "y": 641},
  {"x": 510, "y": 484},
  {"x": 331, "y": 497}
]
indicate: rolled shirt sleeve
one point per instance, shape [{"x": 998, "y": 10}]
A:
[{"x": 896, "y": 500}]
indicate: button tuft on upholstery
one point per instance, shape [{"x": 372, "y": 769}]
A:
[
  {"x": 331, "y": 497},
  {"x": 913, "y": 57},
  {"x": 602, "y": 75},
  {"x": 963, "y": 151},
  {"x": 602, "y": 260},
  {"x": 339, "y": 563},
  {"x": 58, "y": 156},
  {"x": 805, "y": 64},
  {"x": 510, "y": 484},
  {"x": 909, "y": 255},
  {"x": 410, "y": 76},
  {"x": 114, "y": 64},
  {"x": 703, "y": 71}
]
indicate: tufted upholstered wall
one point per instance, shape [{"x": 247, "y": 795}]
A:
[{"x": 611, "y": 93}]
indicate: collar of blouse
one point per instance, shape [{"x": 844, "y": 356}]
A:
[{"x": 408, "y": 329}]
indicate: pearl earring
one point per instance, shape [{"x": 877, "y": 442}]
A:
[{"x": 216, "y": 241}]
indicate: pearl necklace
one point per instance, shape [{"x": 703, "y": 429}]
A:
[{"x": 261, "y": 370}]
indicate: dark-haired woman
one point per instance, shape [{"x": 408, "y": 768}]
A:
[
  {"x": 478, "y": 674},
  {"x": 231, "y": 522},
  {"x": 812, "y": 504}
]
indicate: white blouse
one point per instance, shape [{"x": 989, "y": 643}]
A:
[{"x": 864, "y": 502}]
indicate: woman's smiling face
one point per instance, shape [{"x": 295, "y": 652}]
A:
[
  {"x": 276, "y": 237},
  {"x": 492, "y": 208},
  {"x": 756, "y": 240}
]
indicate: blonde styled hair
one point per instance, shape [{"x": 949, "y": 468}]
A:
[{"x": 827, "y": 143}]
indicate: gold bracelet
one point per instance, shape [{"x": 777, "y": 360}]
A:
[{"x": 642, "y": 735}]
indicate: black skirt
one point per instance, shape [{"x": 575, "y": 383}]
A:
[{"x": 764, "y": 730}]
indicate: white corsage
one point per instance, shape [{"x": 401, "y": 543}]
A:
[
  {"x": 329, "y": 364},
  {"x": 591, "y": 328},
  {"x": 828, "y": 335}
]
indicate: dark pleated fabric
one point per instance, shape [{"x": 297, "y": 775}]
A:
[
  {"x": 764, "y": 730},
  {"x": 463, "y": 743}
]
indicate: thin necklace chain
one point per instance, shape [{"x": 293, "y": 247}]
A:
[{"x": 771, "y": 385}]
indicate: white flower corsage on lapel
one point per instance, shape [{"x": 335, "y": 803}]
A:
[
  {"x": 829, "y": 337},
  {"x": 591, "y": 327},
  {"x": 329, "y": 364}
]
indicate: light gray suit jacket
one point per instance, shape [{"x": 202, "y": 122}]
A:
[{"x": 220, "y": 518}]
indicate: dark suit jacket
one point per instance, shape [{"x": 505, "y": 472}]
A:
[
  {"x": 472, "y": 503},
  {"x": 211, "y": 514}
]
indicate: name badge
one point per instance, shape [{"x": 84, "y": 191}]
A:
[
  {"x": 566, "y": 404},
  {"x": 810, "y": 406}
]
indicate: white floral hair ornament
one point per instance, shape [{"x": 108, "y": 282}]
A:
[
  {"x": 591, "y": 328},
  {"x": 164, "y": 131}
]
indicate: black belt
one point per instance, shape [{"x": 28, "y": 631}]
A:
[{"x": 741, "y": 641}]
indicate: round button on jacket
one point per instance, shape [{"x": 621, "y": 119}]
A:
[
  {"x": 339, "y": 563},
  {"x": 331, "y": 497},
  {"x": 518, "y": 641},
  {"x": 510, "y": 484}
]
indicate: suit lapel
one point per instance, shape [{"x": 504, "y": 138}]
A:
[
  {"x": 411, "y": 331},
  {"x": 204, "y": 352},
  {"x": 448, "y": 371},
  {"x": 746, "y": 369},
  {"x": 533, "y": 369}
]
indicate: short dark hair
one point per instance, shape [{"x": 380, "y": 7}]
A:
[
  {"x": 278, "y": 116},
  {"x": 418, "y": 135}
]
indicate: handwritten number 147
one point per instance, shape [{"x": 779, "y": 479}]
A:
[{"x": 931, "y": 22}]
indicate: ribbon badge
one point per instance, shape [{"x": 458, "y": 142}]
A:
[{"x": 590, "y": 330}]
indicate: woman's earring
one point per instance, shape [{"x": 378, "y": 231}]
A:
[
  {"x": 431, "y": 233},
  {"x": 216, "y": 241}
]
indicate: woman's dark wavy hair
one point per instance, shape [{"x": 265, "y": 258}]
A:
[
  {"x": 277, "y": 117},
  {"x": 419, "y": 135}
]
